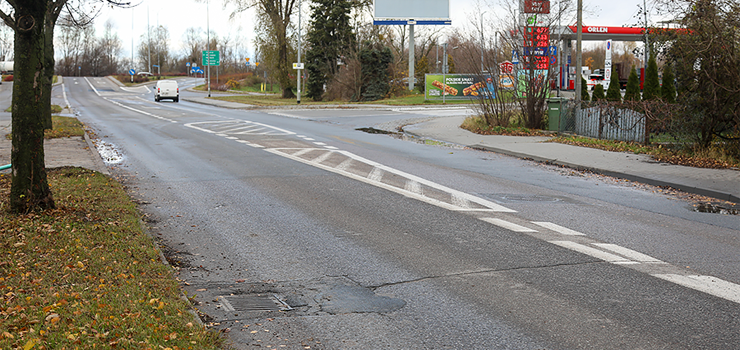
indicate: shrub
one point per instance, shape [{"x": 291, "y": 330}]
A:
[
  {"x": 599, "y": 93},
  {"x": 633, "y": 87},
  {"x": 584, "y": 91},
  {"x": 614, "y": 93}
]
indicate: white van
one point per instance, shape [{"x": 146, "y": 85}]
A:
[{"x": 166, "y": 89}]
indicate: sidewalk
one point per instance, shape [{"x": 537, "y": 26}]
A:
[{"x": 722, "y": 184}]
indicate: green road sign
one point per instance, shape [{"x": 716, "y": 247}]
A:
[{"x": 211, "y": 58}]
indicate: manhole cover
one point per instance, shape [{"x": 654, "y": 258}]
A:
[{"x": 246, "y": 303}]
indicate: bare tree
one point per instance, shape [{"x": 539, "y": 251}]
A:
[{"x": 275, "y": 44}]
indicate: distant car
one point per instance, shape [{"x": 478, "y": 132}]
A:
[
  {"x": 166, "y": 89},
  {"x": 144, "y": 74}
]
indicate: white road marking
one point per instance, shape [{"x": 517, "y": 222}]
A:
[
  {"x": 91, "y": 85},
  {"x": 596, "y": 253},
  {"x": 413, "y": 186},
  {"x": 375, "y": 175},
  {"x": 629, "y": 253},
  {"x": 558, "y": 228},
  {"x": 322, "y": 157},
  {"x": 210, "y": 127},
  {"x": 707, "y": 284},
  {"x": 344, "y": 165},
  {"x": 460, "y": 201},
  {"x": 508, "y": 225},
  {"x": 64, "y": 94}
]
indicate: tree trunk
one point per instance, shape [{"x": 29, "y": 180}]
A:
[
  {"x": 48, "y": 68},
  {"x": 29, "y": 187}
]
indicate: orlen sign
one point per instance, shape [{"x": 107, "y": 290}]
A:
[{"x": 610, "y": 30}]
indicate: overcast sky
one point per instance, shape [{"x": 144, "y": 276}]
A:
[{"x": 178, "y": 15}]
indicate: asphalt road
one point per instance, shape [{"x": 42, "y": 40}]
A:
[{"x": 292, "y": 228}]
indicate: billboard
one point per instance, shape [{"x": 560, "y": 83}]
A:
[
  {"x": 458, "y": 86},
  {"x": 421, "y": 11}
]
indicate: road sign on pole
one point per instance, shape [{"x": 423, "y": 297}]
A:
[
  {"x": 212, "y": 58},
  {"x": 131, "y": 72}
]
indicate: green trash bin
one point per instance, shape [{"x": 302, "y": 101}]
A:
[{"x": 554, "y": 107}]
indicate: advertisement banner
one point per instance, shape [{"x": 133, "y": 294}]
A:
[
  {"x": 506, "y": 81},
  {"x": 458, "y": 86}
]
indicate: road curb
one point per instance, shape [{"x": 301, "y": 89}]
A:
[{"x": 637, "y": 178}]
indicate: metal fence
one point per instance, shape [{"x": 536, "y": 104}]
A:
[{"x": 603, "y": 120}]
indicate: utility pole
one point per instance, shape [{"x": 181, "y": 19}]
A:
[
  {"x": 148, "y": 41},
  {"x": 444, "y": 73},
  {"x": 132, "y": 44},
  {"x": 208, "y": 48},
  {"x": 300, "y": 71},
  {"x": 579, "y": 56},
  {"x": 647, "y": 42},
  {"x": 412, "y": 46}
]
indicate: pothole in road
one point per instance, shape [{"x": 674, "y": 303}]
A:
[
  {"x": 717, "y": 208},
  {"x": 372, "y": 130}
]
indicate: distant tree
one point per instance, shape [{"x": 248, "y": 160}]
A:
[
  {"x": 633, "y": 87},
  {"x": 330, "y": 38},
  {"x": 374, "y": 60},
  {"x": 598, "y": 93},
  {"x": 273, "y": 39},
  {"x": 652, "y": 84},
  {"x": 668, "y": 89},
  {"x": 421, "y": 68},
  {"x": 613, "y": 93},
  {"x": 584, "y": 90}
]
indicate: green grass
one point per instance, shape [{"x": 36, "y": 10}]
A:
[
  {"x": 86, "y": 276},
  {"x": 64, "y": 127},
  {"x": 61, "y": 127}
]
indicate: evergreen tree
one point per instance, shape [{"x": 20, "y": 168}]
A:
[
  {"x": 613, "y": 93},
  {"x": 421, "y": 68},
  {"x": 374, "y": 60},
  {"x": 668, "y": 89},
  {"x": 584, "y": 91},
  {"x": 329, "y": 38},
  {"x": 598, "y": 94},
  {"x": 633, "y": 87},
  {"x": 652, "y": 85}
]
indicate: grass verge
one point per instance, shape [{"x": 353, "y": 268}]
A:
[
  {"x": 61, "y": 127},
  {"x": 85, "y": 276},
  {"x": 708, "y": 159}
]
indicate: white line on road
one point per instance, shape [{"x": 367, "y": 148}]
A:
[
  {"x": 629, "y": 253},
  {"x": 707, "y": 284},
  {"x": 507, "y": 225},
  {"x": 557, "y": 228},
  {"x": 596, "y": 253}
]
